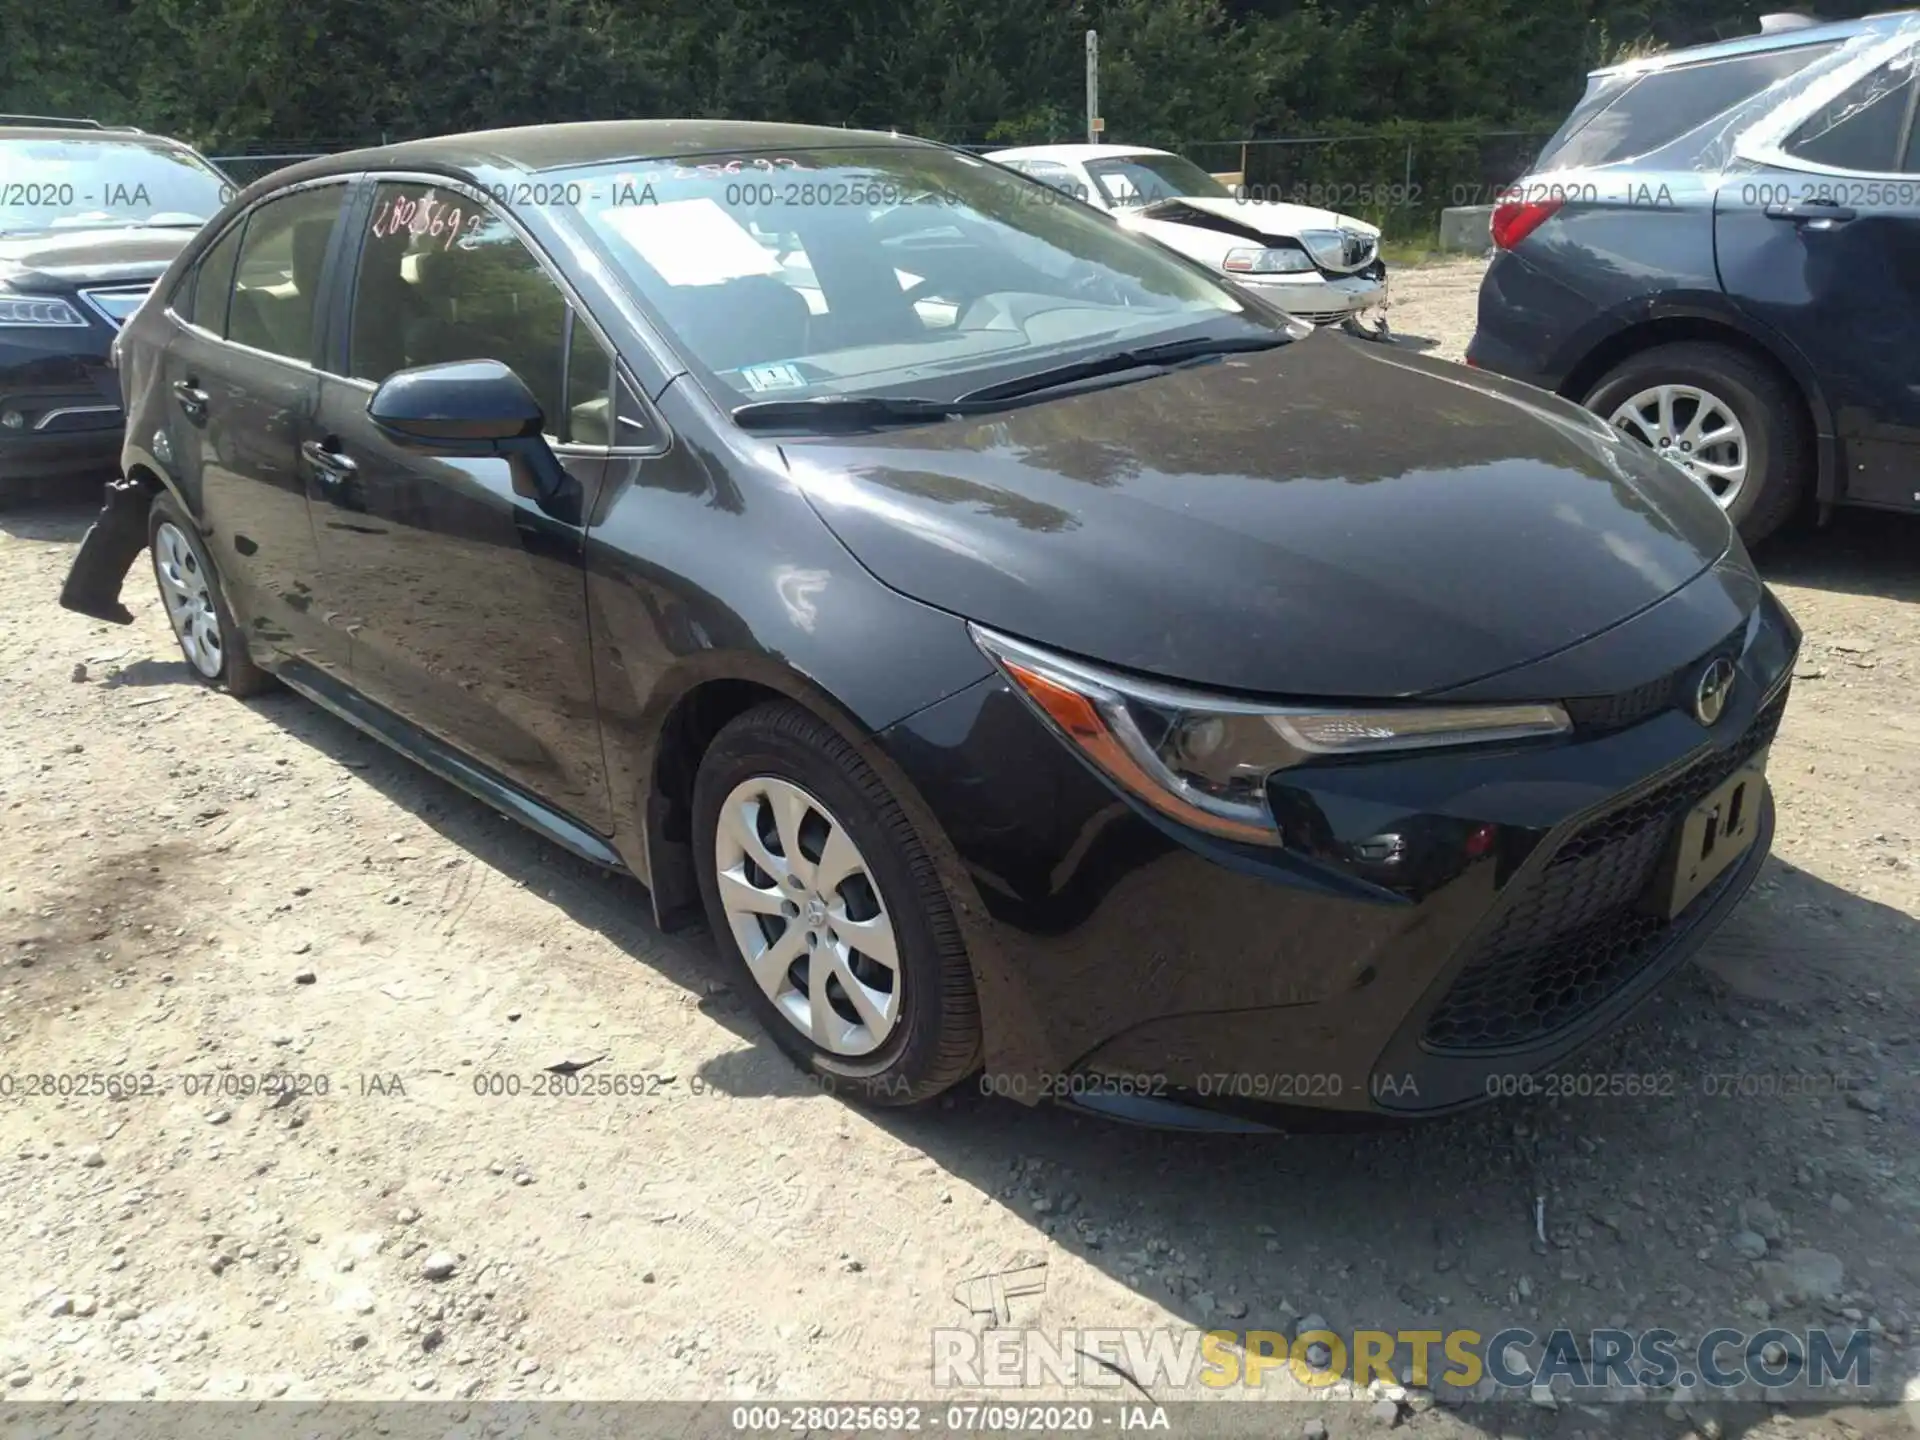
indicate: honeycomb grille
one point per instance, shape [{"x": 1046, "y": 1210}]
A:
[
  {"x": 1629, "y": 707},
  {"x": 1597, "y": 714},
  {"x": 1578, "y": 931}
]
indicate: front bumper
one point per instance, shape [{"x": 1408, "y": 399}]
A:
[
  {"x": 1318, "y": 299},
  {"x": 80, "y": 463},
  {"x": 1147, "y": 969},
  {"x": 61, "y": 421}
]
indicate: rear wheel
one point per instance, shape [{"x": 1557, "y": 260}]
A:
[
  {"x": 825, "y": 900},
  {"x": 210, "y": 641},
  {"x": 1723, "y": 417}
]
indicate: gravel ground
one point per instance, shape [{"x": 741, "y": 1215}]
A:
[{"x": 196, "y": 892}]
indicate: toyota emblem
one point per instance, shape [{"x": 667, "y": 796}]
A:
[{"x": 1710, "y": 697}]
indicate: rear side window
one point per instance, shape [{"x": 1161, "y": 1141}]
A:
[
  {"x": 1865, "y": 126},
  {"x": 1663, "y": 105},
  {"x": 276, "y": 283},
  {"x": 211, "y": 283}
]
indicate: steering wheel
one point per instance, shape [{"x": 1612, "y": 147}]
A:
[{"x": 1099, "y": 288}]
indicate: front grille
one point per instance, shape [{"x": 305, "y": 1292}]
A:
[
  {"x": 1596, "y": 714},
  {"x": 1629, "y": 707},
  {"x": 1580, "y": 929}
]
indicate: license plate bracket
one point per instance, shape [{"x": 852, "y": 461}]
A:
[{"x": 1715, "y": 834}]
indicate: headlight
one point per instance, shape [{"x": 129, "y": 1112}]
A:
[
  {"x": 38, "y": 312},
  {"x": 1204, "y": 760},
  {"x": 1248, "y": 261}
]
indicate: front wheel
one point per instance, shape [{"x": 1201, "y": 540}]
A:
[
  {"x": 1724, "y": 418},
  {"x": 826, "y": 902}
]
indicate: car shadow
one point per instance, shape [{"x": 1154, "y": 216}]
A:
[
  {"x": 1419, "y": 344},
  {"x": 146, "y": 673},
  {"x": 1410, "y": 1228},
  {"x": 1862, "y": 552},
  {"x": 613, "y": 904},
  {"x": 60, "y": 522}
]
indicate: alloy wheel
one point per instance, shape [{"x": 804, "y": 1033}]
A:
[
  {"x": 806, "y": 912},
  {"x": 1696, "y": 430},
  {"x": 188, "y": 594}
]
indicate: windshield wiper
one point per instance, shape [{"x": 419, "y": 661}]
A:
[
  {"x": 1116, "y": 362},
  {"x": 859, "y": 412}
]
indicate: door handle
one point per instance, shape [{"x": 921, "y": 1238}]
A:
[
  {"x": 193, "y": 400},
  {"x": 1826, "y": 213},
  {"x": 329, "y": 467}
]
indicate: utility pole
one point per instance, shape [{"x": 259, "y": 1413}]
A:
[{"x": 1094, "y": 123}]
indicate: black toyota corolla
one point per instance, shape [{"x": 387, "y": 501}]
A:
[{"x": 1034, "y": 658}]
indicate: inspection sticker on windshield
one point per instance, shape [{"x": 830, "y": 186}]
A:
[{"x": 772, "y": 377}]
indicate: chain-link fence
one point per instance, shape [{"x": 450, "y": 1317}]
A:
[{"x": 1399, "y": 181}]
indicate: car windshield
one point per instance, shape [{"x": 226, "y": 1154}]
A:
[
  {"x": 62, "y": 183},
  {"x": 884, "y": 270},
  {"x": 1132, "y": 180}
]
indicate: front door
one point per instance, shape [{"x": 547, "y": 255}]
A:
[
  {"x": 1819, "y": 236},
  {"x": 465, "y": 600},
  {"x": 241, "y": 391}
]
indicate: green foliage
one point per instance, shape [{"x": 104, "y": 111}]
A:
[{"x": 336, "y": 72}]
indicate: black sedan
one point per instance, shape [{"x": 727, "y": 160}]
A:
[
  {"x": 90, "y": 217},
  {"x": 1032, "y": 657}
]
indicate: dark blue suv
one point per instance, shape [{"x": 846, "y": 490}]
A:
[{"x": 1719, "y": 253}]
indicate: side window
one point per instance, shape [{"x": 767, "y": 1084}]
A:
[
  {"x": 1049, "y": 172},
  {"x": 277, "y": 279},
  {"x": 1862, "y": 129},
  {"x": 589, "y": 389},
  {"x": 1662, "y": 106},
  {"x": 207, "y": 287},
  {"x": 441, "y": 279}
]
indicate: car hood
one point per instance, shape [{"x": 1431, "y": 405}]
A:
[
  {"x": 1207, "y": 228},
  {"x": 1255, "y": 219},
  {"x": 56, "y": 258},
  {"x": 1327, "y": 519}
]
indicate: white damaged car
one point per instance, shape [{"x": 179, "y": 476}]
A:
[{"x": 1319, "y": 265}]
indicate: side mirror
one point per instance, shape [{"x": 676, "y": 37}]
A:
[
  {"x": 464, "y": 408},
  {"x": 478, "y": 407}
]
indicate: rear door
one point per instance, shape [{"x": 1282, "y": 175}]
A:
[
  {"x": 241, "y": 388},
  {"x": 465, "y": 598},
  {"x": 1817, "y": 233}
]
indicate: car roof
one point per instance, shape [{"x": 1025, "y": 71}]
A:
[
  {"x": 1070, "y": 153},
  {"x": 1888, "y": 23},
  {"x": 85, "y": 134},
  {"x": 589, "y": 142}
]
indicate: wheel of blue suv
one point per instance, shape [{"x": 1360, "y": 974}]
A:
[
  {"x": 210, "y": 642},
  {"x": 822, "y": 895},
  {"x": 1723, "y": 417}
]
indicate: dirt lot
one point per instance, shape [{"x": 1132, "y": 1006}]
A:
[{"x": 199, "y": 892}]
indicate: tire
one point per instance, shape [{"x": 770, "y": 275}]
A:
[
  {"x": 1780, "y": 456},
  {"x": 932, "y": 1040},
  {"x": 210, "y": 642}
]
